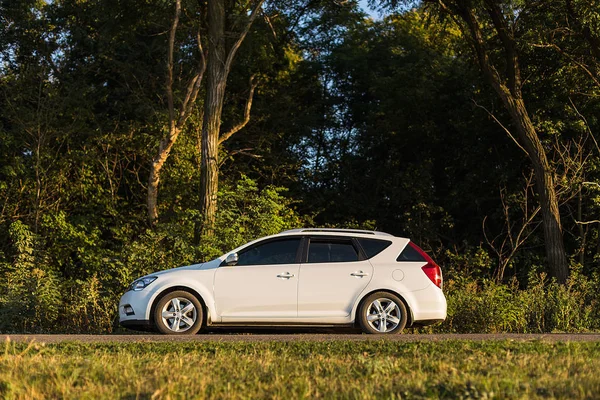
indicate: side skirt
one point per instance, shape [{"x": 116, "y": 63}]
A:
[{"x": 277, "y": 324}]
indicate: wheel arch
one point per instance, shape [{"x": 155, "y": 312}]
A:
[
  {"x": 205, "y": 315},
  {"x": 409, "y": 314}
]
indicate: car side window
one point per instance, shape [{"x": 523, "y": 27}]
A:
[
  {"x": 325, "y": 251},
  {"x": 273, "y": 252}
]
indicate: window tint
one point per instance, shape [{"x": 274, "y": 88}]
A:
[
  {"x": 331, "y": 251},
  {"x": 410, "y": 254},
  {"x": 372, "y": 247},
  {"x": 273, "y": 252}
]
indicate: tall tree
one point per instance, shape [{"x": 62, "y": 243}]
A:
[
  {"x": 220, "y": 61},
  {"x": 491, "y": 24},
  {"x": 178, "y": 119}
]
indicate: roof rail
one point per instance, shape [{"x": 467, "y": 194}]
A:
[{"x": 338, "y": 230}]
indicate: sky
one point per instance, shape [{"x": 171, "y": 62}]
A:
[{"x": 364, "y": 4}]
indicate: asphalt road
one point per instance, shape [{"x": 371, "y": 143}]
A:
[{"x": 293, "y": 337}]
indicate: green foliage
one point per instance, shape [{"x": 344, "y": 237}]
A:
[
  {"x": 87, "y": 306},
  {"x": 467, "y": 262},
  {"x": 573, "y": 307},
  {"x": 482, "y": 307},
  {"x": 29, "y": 291},
  {"x": 246, "y": 213},
  {"x": 543, "y": 306}
]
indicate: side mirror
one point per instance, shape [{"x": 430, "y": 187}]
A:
[{"x": 231, "y": 259}]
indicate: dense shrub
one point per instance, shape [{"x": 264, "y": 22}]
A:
[
  {"x": 482, "y": 307},
  {"x": 29, "y": 288},
  {"x": 543, "y": 306}
]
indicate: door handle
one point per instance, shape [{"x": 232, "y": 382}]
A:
[
  {"x": 359, "y": 274},
  {"x": 285, "y": 275}
]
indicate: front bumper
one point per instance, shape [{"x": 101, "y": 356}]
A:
[
  {"x": 134, "y": 308},
  {"x": 137, "y": 324}
]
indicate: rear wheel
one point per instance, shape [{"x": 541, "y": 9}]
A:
[
  {"x": 178, "y": 313},
  {"x": 382, "y": 313}
]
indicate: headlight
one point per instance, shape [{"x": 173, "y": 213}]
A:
[{"x": 141, "y": 283}]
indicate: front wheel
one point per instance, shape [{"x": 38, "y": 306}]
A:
[
  {"x": 382, "y": 313},
  {"x": 178, "y": 313}
]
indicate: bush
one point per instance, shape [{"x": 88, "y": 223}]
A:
[
  {"x": 572, "y": 307},
  {"x": 29, "y": 289},
  {"x": 544, "y": 306},
  {"x": 483, "y": 307}
]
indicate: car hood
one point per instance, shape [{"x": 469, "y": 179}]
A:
[
  {"x": 207, "y": 265},
  {"x": 167, "y": 271}
]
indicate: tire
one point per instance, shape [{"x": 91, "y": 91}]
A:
[
  {"x": 171, "y": 317},
  {"x": 382, "y": 313}
]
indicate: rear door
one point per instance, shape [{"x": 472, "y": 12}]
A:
[
  {"x": 332, "y": 275},
  {"x": 263, "y": 285}
]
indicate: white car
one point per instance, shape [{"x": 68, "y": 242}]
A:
[{"x": 301, "y": 277}]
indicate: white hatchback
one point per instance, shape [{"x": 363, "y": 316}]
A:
[{"x": 301, "y": 277}]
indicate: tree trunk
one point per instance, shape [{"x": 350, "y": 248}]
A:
[
  {"x": 554, "y": 243},
  {"x": 509, "y": 90},
  {"x": 219, "y": 65},
  {"x": 213, "y": 106},
  {"x": 176, "y": 123},
  {"x": 164, "y": 149}
]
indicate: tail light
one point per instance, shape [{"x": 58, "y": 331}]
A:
[{"x": 431, "y": 269}]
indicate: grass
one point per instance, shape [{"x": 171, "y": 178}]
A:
[{"x": 336, "y": 369}]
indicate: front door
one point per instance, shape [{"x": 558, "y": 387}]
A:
[
  {"x": 262, "y": 286},
  {"x": 331, "y": 278}
]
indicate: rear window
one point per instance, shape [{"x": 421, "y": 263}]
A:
[
  {"x": 372, "y": 247},
  {"x": 331, "y": 251},
  {"x": 410, "y": 254}
]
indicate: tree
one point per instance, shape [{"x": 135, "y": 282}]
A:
[
  {"x": 220, "y": 61},
  {"x": 490, "y": 25},
  {"x": 176, "y": 120},
  {"x": 410, "y": 151}
]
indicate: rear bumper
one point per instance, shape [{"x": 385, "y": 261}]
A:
[
  {"x": 428, "y": 306},
  {"x": 425, "y": 322}
]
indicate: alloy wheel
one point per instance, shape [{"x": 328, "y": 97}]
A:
[
  {"x": 383, "y": 315},
  {"x": 179, "y": 314}
]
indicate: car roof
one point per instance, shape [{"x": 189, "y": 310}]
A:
[
  {"x": 321, "y": 232},
  {"x": 329, "y": 231}
]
